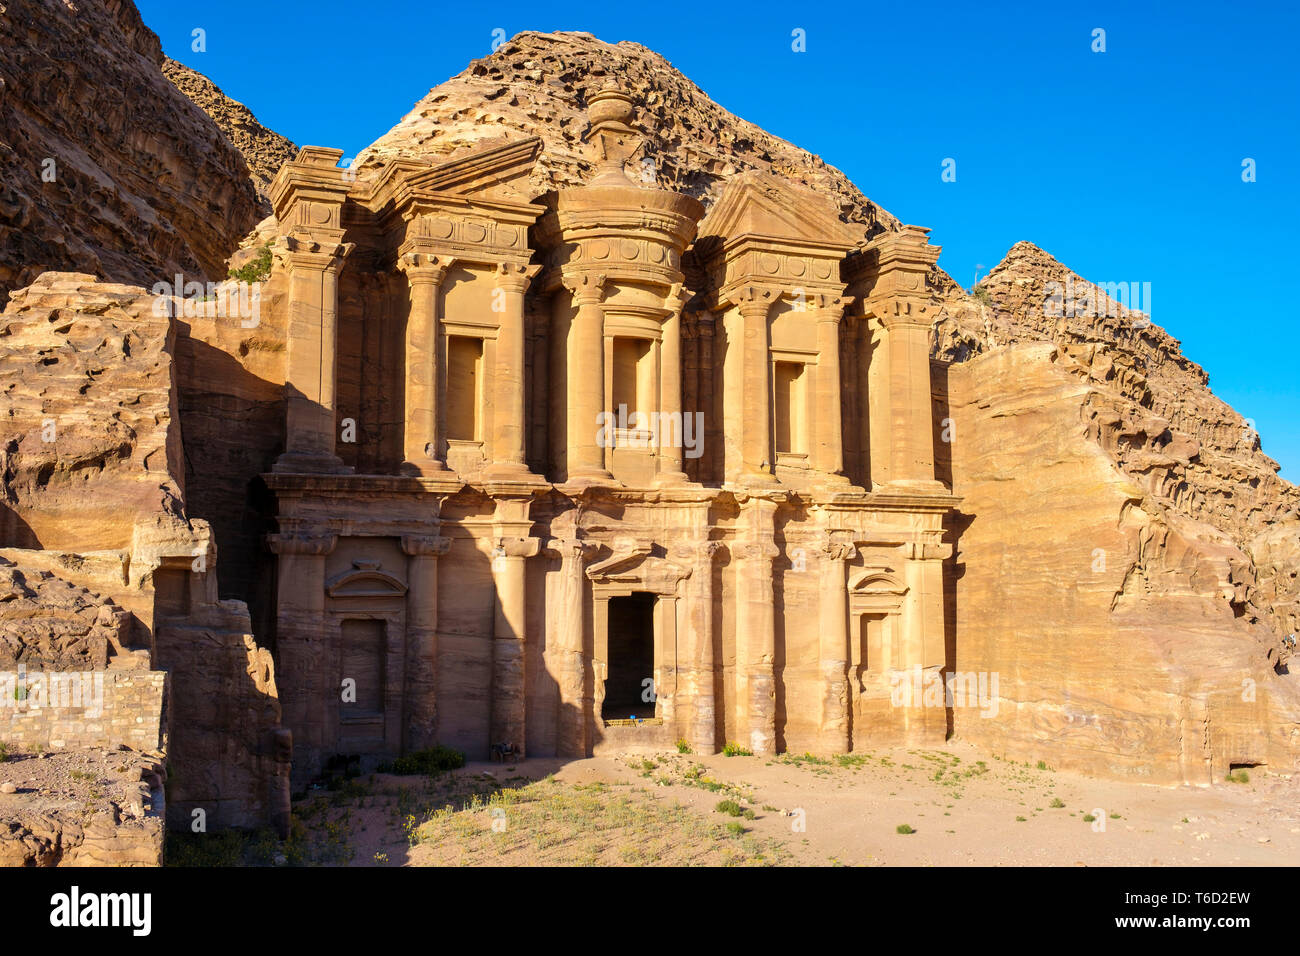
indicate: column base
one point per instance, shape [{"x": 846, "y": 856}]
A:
[
  {"x": 305, "y": 463},
  {"x": 429, "y": 468},
  {"x": 510, "y": 471},
  {"x": 590, "y": 477},
  {"x": 675, "y": 479}
]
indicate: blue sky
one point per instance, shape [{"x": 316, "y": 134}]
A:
[{"x": 1126, "y": 165}]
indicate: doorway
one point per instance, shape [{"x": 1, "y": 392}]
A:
[{"x": 629, "y": 691}]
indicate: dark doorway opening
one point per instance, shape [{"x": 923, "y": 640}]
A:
[{"x": 628, "y": 691}]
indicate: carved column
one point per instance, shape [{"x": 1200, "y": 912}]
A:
[
  {"x": 830, "y": 441},
  {"x": 509, "y": 637},
  {"x": 757, "y": 620},
  {"x": 421, "y": 730},
  {"x": 702, "y": 675},
  {"x": 311, "y": 347},
  {"x": 912, "y": 436},
  {"x": 586, "y": 377},
  {"x": 306, "y": 673},
  {"x": 671, "y": 469},
  {"x": 507, "y": 452},
  {"x": 833, "y": 647},
  {"x": 576, "y": 699},
  {"x": 422, "y": 439},
  {"x": 756, "y": 422}
]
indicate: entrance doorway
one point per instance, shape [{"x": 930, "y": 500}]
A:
[{"x": 628, "y": 691}]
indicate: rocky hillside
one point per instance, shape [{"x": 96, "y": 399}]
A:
[
  {"x": 105, "y": 167},
  {"x": 265, "y": 151},
  {"x": 538, "y": 84},
  {"x": 1153, "y": 414}
]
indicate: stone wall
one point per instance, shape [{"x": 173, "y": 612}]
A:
[{"x": 72, "y": 710}]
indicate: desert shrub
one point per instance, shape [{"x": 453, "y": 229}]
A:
[{"x": 434, "y": 760}]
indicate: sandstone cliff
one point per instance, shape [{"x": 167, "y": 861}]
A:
[
  {"x": 263, "y": 150},
  {"x": 105, "y": 167},
  {"x": 1125, "y": 552}
]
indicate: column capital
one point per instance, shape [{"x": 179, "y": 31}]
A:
[
  {"x": 570, "y": 548},
  {"x": 425, "y": 545},
  {"x": 510, "y": 547},
  {"x": 301, "y": 249},
  {"x": 424, "y": 267},
  {"x": 829, "y": 308},
  {"x": 675, "y": 298},
  {"x": 752, "y": 551},
  {"x": 515, "y": 276},
  {"x": 587, "y": 286},
  {"x": 703, "y": 551},
  {"x": 302, "y": 542},
  {"x": 837, "y": 548},
  {"x": 750, "y": 299}
]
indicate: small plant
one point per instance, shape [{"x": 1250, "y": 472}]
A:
[
  {"x": 1057, "y": 803},
  {"x": 683, "y": 747},
  {"x": 1239, "y": 776},
  {"x": 381, "y": 858},
  {"x": 736, "y": 828},
  {"x": 257, "y": 269},
  {"x": 982, "y": 295},
  {"x": 730, "y": 807},
  {"x": 4, "y": 752},
  {"x": 1042, "y": 765},
  {"x": 733, "y": 749},
  {"x": 748, "y": 814},
  {"x": 903, "y": 828},
  {"x": 1020, "y": 819},
  {"x": 648, "y": 765},
  {"x": 434, "y": 760},
  {"x": 1088, "y": 818},
  {"x": 1115, "y": 816}
]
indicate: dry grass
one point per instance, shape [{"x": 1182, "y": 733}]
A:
[{"x": 548, "y": 823}]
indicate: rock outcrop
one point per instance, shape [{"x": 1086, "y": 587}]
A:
[
  {"x": 1126, "y": 553},
  {"x": 105, "y": 166},
  {"x": 539, "y": 84},
  {"x": 264, "y": 150}
]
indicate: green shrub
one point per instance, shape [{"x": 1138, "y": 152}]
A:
[
  {"x": 434, "y": 760},
  {"x": 733, "y": 749},
  {"x": 1057, "y": 803},
  {"x": 903, "y": 828},
  {"x": 982, "y": 295},
  {"x": 730, "y": 807},
  {"x": 735, "y": 828},
  {"x": 683, "y": 747},
  {"x": 1239, "y": 776},
  {"x": 257, "y": 269}
]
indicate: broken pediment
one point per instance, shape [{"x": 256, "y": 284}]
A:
[
  {"x": 760, "y": 206},
  {"x": 497, "y": 172},
  {"x": 636, "y": 566}
]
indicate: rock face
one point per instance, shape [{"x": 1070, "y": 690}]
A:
[
  {"x": 265, "y": 151},
  {"x": 539, "y": 84},
  {"x": 1125, "y": 552},
  {"x": 102, "y": 566},
  {"x": 90, "y": 439},
  {"x": 105, "y": 167}
]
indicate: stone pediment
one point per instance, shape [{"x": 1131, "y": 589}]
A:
[
  {"x": 365, "y": 579},
  {"x": 635, "y": 566},
  {"x": 760, "y": 206},
  {"x": 494, "y": 173}
]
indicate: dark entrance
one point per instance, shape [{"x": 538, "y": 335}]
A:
[{"x": 628, "y": 692}]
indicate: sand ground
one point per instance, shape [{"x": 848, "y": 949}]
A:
[{"x": 964, "y": 806}]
